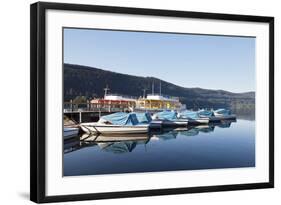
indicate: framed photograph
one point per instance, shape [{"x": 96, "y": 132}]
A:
[{"x": 129, "y": 102}]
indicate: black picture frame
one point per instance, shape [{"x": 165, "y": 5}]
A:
[{"x": 38, "y": 101}]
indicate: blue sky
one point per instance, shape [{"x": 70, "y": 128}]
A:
[{"x": 205, "y": 61}]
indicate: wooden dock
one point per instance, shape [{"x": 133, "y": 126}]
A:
[{"x": 85, "y": 116}]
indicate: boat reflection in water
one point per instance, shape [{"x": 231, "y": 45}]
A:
[
  {"x": 117, "y": 143},
  {"x": 123, "y": 143},
  {"x": 209, "y": 146}
]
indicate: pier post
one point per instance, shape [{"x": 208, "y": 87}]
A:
[
  {"x": 80, "y": 117},
  {"x": 71, "y": 106}
]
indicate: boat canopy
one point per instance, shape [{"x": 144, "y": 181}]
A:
[
  {"x": 188, "y": 114},
  {"x": 120, "y": 118},
  {"x": 205, "y": 113},
  {"x": 143, "y": 117},
  {"x": 165, "y": 115},
  {"x": 223, "y": 112}
]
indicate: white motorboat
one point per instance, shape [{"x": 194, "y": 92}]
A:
[
  {"x": 167, "y": 119},
  {"x": 224, "y": 114},
  {"x": 96, "y": 128},
  {"x": 193, "y": 117},
  {"x": 116, "y": 123},
  {"x": 70, "y": 132}
]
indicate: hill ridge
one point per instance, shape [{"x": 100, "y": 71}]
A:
[{"x": 80, "y": 80}]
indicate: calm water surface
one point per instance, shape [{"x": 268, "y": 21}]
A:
[{"x": 228, "y": 145}]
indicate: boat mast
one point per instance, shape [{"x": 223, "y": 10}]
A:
[
  {"x": 160, "y": 88},
  {"x": 152, "y": 87},
  {"x": 144, "y": 92},
  {"x": 105, "y": 90}
]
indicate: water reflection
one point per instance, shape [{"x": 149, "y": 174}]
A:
[
  {"x": 213, "y": 146},
  {"x": 128, "y": 142}
]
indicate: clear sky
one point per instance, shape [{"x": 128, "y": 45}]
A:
[{"x": 205, "y": 61}]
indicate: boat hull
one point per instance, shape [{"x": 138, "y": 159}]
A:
[
  {"x": 168, "y": 123},
  {"x": 95, "y": 128},
  {"x": 198, "y": 121},
  {"x": 225, "y": 117},
  {"x": 214, "y": 119}
]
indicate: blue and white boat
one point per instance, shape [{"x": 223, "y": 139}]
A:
[
  {"x": 205, "y": 113},
  {"x": 117, "y": 123},
  {"x": 143, "y": 117},
  {"x": 167, "y": 118},
  {"x": 193, "y": 117},
  {"x": 209, "y": 114},
  {"x": 224, "y": 114}
]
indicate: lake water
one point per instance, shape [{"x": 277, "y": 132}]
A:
[{"x": 227, "y": 145}]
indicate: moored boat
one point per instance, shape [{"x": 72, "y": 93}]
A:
[
  {"x": 193, "y": 117},
  {"x": 117, "y": 123},
  {"x": 167, "y": 119},
  {"x": 205, "y": 113},
  {"x": 224, "y": 114},
  {"x": 113, "y": 129},
  {"x": 204, "y": 116},
  {"x": 209, "y": 114}
]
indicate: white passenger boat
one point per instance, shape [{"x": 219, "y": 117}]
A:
[
  {"x": 117, "y": 123},
  {"x": 70, "y": 132}
]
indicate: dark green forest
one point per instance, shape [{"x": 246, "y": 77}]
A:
[{"x": 89, "y": 82}]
